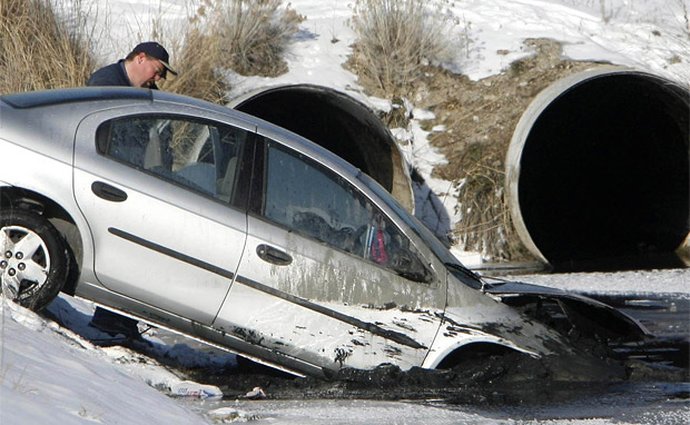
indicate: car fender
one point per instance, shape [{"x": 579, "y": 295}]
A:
[
  {"x": 31, "y": 183},
  {"x": 473, "y": 316},
  {"x": 456, "y": 337}
]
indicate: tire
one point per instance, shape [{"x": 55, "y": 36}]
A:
[{"x": 33, "y": 259}]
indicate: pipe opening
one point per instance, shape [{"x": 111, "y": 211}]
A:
[{"x": 604, "y": 171}]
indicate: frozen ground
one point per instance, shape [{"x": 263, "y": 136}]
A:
[
  {"x": 640, "y": 282},
  {"x": 54, "y": 375}
]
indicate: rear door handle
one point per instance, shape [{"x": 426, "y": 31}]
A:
[
  {"x": 108, "y": 192},
  {"x": 273, "y": 255}
]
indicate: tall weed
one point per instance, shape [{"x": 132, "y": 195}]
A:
[
  {"x": 255, "y": 35},
  {"x": 396, "y": 39},
  {"x": 195, "y": 52},
  {"x": 40, "y": 48},
  {"x": 247, "y": 36}
]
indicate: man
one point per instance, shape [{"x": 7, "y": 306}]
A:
[
  {"x": 147, "y": 64},
  {"x": 143, "y": 67}
]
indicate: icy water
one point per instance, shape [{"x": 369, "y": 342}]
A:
[{"x": 657, "y": 392}]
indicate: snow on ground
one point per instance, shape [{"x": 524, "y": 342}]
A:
[
  {"x": 640, "y": 282},
  {"x": 628, "y": 38},
  {"x": 51, "y": 375}
]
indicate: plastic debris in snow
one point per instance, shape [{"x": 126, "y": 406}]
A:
[
  {"x": 195, "y": 390},
  {"x": 256, "y": 394},
  {"x": 226, "y": 415}
]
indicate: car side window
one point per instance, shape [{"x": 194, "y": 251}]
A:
[
  {"x": 315, "y": 202},
  {"x": 201, "y": 156}
]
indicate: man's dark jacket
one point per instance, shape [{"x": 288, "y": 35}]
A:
[{"x": 112, "y": 75}]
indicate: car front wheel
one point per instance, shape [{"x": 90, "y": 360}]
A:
[{"x": 33, "y": 258}]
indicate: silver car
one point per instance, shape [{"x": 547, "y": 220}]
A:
[{"x": 220, "y": 226}]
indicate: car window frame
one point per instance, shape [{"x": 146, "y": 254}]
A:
[
  {"x": 239, "y": 199},
  {"x": 257, "y": 199}
]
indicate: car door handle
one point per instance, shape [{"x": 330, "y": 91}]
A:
[
  {"x": 273, "y": 255},
  {"x": 108, "y": 192}
]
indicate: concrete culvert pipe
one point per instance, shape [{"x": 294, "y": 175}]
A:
[
  {"x": 598, "y": 168},
  {"x": 340, "y": 124}
]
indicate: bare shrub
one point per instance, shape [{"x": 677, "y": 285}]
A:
[
  {"x": 247, "y": 36},
  {"x": 196, "y": 51},
  {"x": 39, "y": 49},
  {"x": 486, "y": 224},
  {"x": 255, "y": 35},
  {"x": 396, "y": 39},
  {"x": 198, "y": 73}
]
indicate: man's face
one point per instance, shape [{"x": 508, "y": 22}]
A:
[
  {"x": 154, "y": 70},
  {"x": 147, "y": 71}
]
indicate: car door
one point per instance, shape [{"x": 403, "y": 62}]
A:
[
  {"x": 327, "y": 277},
  {"x": 158, "y": 193}
]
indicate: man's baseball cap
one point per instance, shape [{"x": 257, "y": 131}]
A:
[{"x": 155, "y": 50}]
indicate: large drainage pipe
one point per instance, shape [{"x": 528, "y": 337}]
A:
[
  {"x": 598, "y": 169},
  {"x": 339, "y": 123}
]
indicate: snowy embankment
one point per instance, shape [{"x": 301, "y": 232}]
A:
[{"x": 50, "y": 375}]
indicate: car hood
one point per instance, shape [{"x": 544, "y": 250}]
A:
[{"x": 584, "y": 312}]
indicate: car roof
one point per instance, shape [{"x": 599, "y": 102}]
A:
[
  {"x": 127, "y": 95},
  {"x": 55, "y": 97},
  {"x": 34, "y": 99}
]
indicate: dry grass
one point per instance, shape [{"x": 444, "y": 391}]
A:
[
  {"x": 479, "y": 118},
  {"x": 38, "y": 50},
  {"x": 43, "y": 48},
  {"x": 486, "y": 225},
  {"x": 255, "y": 35},
  {"x": 195, "y": 53},
  {"x": 247, "y": 36},
  {"x": 396, "y": 39},
  {"x": 198, "y": 73}
]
